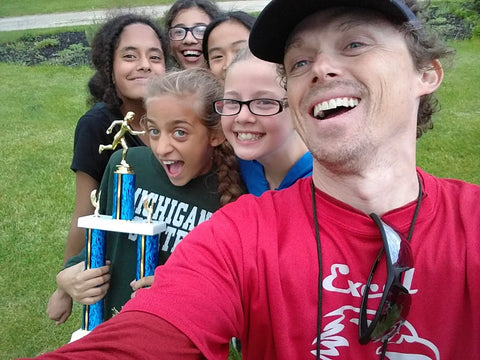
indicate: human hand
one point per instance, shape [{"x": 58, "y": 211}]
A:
[
  {"x": 85, "y": 286},
  {"x": 146, "y": 281},
  {"x": 59, "y": 306}
]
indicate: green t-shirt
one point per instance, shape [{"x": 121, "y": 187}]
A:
[{"x": 181, "y": 208}]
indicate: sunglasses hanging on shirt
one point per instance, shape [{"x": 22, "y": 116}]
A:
[{"x": 395, "y": 302}]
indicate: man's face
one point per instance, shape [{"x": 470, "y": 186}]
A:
[{"x": 352, "y": 86}]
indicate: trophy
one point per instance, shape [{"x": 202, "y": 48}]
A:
[
  {"x": 94, "y": 257},
  {"x": 124, "y": 177},
  {"x": 122, "y": 220},
  {"x": 147, "y": 247}
]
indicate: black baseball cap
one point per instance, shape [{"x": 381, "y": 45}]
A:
[{"x": 278, "y": 19}]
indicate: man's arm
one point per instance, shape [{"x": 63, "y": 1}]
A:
[{"x": 130, "y": 335}]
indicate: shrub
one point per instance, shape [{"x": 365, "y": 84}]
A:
[
  {"x": 66, "y": 48},
  {"x": 48, "y": 42},
  {"x": 74, "y": 55}
]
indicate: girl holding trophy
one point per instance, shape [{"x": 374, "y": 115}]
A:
[
  {"x": 126, "y": 51},
  {"x": 187, "y": 172}
]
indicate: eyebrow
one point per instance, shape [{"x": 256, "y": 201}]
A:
[
  {"x": 218, "y": 48},
  {"x": 351, "y": 24},
  {"x": 134, "y": 48},
  {"x": 173, "y": 122},
  {"x": 183, "y": 25},
  {"x": 293, "y": 43},
  {"x": 260, "y": 94}
]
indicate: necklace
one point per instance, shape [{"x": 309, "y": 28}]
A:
[{"x": 319, "y": 257}]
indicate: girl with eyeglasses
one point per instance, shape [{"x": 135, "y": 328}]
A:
[
  {"x": 256, "y": 121},
  {"x": 186, "y": 22}
]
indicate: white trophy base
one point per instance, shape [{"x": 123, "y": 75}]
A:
[
  {"x": 135, "y": 226},
  {"x": 80, "y": 333}
]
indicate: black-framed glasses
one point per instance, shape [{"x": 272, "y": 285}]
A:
[
  {"x": 180, "y": 32},
  {"x": 261, "y": 107},
  {"x": 395, "y": 301}
]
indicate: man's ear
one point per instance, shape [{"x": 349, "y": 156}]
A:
[
  {"x": 216, "y": 137},
  {"x": 432, "y": 77}
]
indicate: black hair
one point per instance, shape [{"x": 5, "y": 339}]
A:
[
  {"x": 209, "y": 7},
  {"x": 241, "y": 17}
]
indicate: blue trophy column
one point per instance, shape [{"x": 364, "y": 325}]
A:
[
  {"x": 123, "y": 193},
  {"x": 94, "y": 258},
  {"x": 147, "y": 255}
]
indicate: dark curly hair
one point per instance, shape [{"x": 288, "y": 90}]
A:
[
  {"x": 206, "y": 88},
  {"x": 240, "y": 17},
  {"x": 104, "y": 43},
  {"x": 424, "y": 46}
]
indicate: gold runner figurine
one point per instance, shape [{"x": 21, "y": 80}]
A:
[{"x": 119, "y": 137}]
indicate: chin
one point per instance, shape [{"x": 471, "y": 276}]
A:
[{"x": 179, "y": 182}]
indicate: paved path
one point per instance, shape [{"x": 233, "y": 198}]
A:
[{"x": 89, "y": 17}]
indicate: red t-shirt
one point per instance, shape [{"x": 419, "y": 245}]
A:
[{"x": 251, "y": 272}]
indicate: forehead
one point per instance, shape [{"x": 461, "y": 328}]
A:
[
  {"x": 255, "y": 64},
  {"x": 136, "y": 32},
  {"x": 252, "y": 74},
  {"x": 228, "y": 32},
  {"x": 230, "y": 27},
  {"x": 171, "y": 105},
  {"x": 337, "y": 19},
  {"x": 191, "y": 16}
]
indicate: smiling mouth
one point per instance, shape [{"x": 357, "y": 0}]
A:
[
  {"x": 334, "y": 107},
  {"x": 242, "y": 136},
  {"x": 192, "y": 53},
  {"x": 173, "y": 167}
]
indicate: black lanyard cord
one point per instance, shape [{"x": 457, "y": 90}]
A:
[{"x": 320, "y": 273}]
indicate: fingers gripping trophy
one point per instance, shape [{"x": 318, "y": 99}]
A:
[{"x": 122, "y": 220}]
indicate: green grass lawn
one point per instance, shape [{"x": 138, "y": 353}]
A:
[
  {"x": 452, "y": 147},
  {"x": 29, "y": 7},
  {"x": 39, "y": 108}
]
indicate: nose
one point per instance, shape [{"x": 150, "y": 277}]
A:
[
  {"x": 189, "y": 38},
  {"x": 227, "y": 60},
  {"x": 144, "y": 63},
  {"x": 245, "y": 116},
  {"x": 324, "y": 68},
  {"x": 162, "y": 146}
]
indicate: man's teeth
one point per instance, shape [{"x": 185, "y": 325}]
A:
[
  {"x": 248, "y": 136},
  {"x": 192, "y": 53},
  {"x": 333, "y": 104},
  {"x": 168, "y": 162}
]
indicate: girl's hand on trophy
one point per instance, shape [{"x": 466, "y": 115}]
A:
[
  {"x": 59, "y": 306},
  {"x": 85, "y": 286},
  {"x": 146, "y": 281}
]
